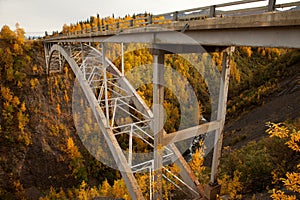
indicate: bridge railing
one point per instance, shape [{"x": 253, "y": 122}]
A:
[{"x": 182, "y": 15}]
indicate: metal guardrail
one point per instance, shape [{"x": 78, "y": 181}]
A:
[{"x": 182, "y": 15}]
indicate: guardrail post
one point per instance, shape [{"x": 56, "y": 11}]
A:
[
  {"x": 131, "y": 23},
  {"x": 149, "y": 19},
  {"x": 118, "y": 25},
  {"x": 175, "y": 16},
  {"x": 271, "y": 6},
  {"x": 106, "y": 27},
  {"x": 212, "y": 11}
]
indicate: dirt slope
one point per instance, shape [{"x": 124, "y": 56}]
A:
[{"x": 280, "y": 106}]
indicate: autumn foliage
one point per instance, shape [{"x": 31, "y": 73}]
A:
[
  {"x": 255, "y": 73},
  {"x": 291, "y": 137}
]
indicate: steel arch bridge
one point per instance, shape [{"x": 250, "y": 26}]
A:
[{"x": 107, "y": 90}]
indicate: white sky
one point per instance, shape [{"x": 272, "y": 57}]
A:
[{"x": 50, "y": 15}]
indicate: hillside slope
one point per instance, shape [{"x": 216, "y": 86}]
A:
[
  {"x": 40, "y": 148},
  {"x": 279, "y": 106},
  {"x": 39, "y": 145}
]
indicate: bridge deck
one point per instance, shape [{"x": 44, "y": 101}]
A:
[{"x": 271, "y": 29}]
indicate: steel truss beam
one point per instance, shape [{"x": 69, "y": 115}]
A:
[
  {"x": 111, "y": 140},
  {"x": 109, "y": 92}
]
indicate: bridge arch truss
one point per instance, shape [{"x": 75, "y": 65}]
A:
[
  {"x": 107, "y": 91},
  {"x": 99, "y": 78}
]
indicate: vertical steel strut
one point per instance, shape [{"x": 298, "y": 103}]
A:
[
  {"x": 221, "y": 114},
  {"x": 96, "y": 73},
  {"x": 158, "y": 114}
]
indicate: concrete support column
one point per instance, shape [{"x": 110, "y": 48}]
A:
[{"x": 158, "y": 114}]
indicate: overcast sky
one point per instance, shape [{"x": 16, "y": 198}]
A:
[{"x": 50, "y": 15}]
